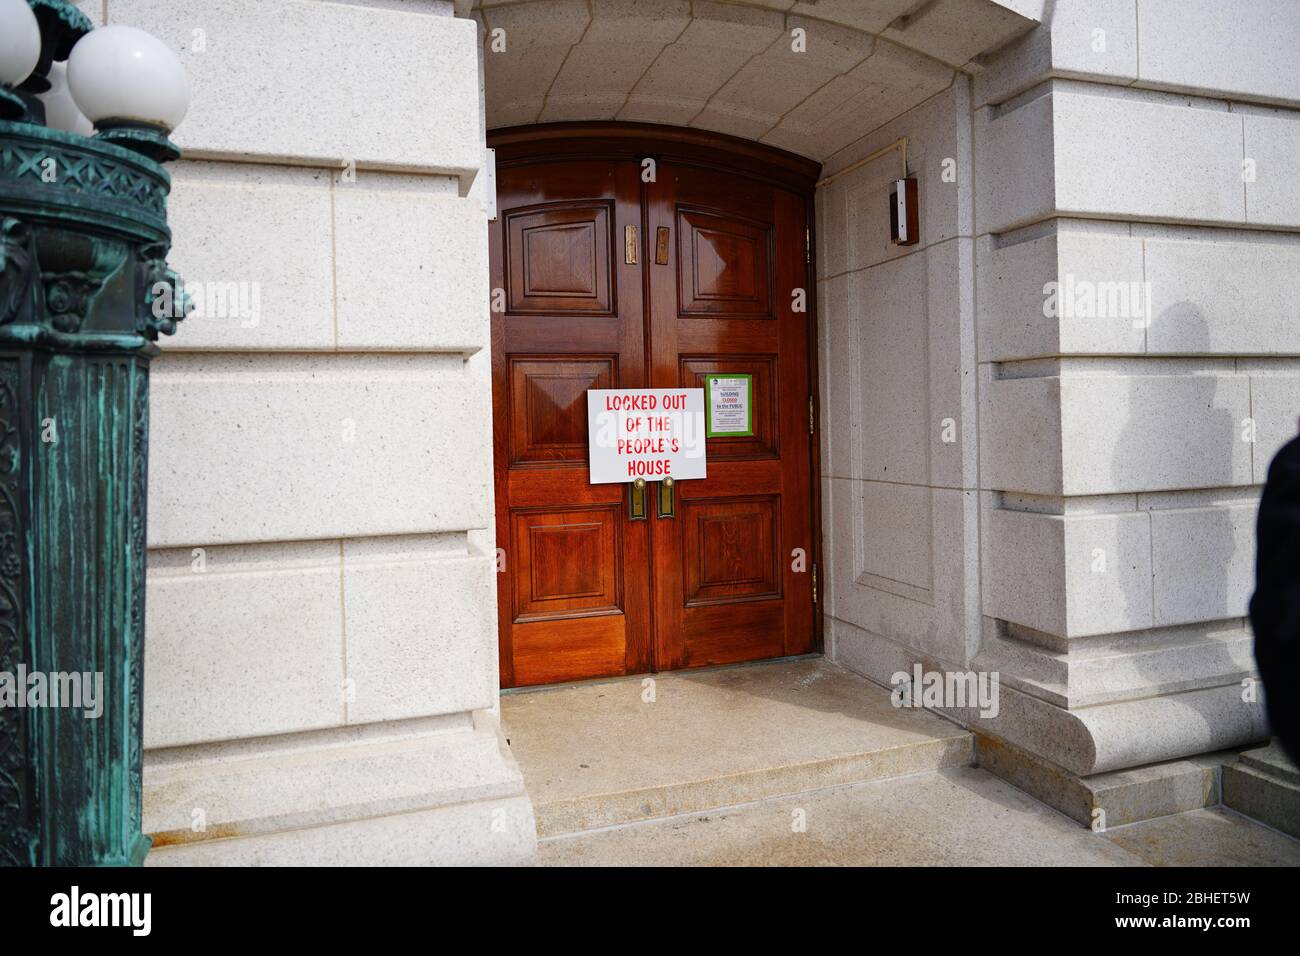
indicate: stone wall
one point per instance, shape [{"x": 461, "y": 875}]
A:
[
  {"x": 1144, "y": 147},
  {"x": 1123, "y": 450},
  {"x": 898, "y": 376},
  {"x": 321, "y": 609}
]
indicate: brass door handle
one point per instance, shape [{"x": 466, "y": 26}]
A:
[
  {"x": 636, "y": 500},
  {"x": 667, "y": 506}
]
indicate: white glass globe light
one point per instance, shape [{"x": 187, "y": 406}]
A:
[
  {"x": 121, "y": 73},
  {"x": 20, "y": 41},
  {"x": 60, "y": 108}
]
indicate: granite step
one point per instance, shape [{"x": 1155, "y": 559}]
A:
[
  {"x": 1265, "y": 785},
  {"x": 960, "y": 816},
  {"x": 609, "y": 753}
]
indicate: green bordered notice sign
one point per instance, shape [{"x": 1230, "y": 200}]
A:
[{"x": 729, "y": 402}]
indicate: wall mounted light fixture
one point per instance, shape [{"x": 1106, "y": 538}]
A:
[{"x": 904, "y": 195}]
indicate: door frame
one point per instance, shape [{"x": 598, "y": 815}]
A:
[{"x": 615, "y": 141}]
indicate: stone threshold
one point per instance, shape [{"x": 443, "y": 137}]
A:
[{"x": 601, "y": 755}]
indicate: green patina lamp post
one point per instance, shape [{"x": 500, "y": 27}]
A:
[{"x": 84, "y": 293}]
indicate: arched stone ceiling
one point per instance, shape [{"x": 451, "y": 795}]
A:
[{"x": 729, "y": 67}]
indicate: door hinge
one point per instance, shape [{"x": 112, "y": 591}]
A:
[
  {"x": 807, "y": 245},
  {"x": 814, "y": 584},
  {"x": 812, "y": 416}
]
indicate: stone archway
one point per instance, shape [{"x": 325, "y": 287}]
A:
[{"x": 809, "y": 77}]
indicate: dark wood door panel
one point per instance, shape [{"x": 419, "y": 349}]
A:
[
  {"x": 731, "y": 633},
  {"x": 587, "y": 592},
  {"x": 722, "y": 334},
  {"x": 544, "y": 653},
  {"x": 569, "y": 563},
  {"x": 742, "y": 476},
  {"x": 541, "y": 488},
  {"x": 573, "y": 597},
  {"x": 727, "y": 585},
  {"x": 729, "y": 549},
  {"x": 724, "y": 264},
  {"x": 550, "y": 335},
  {"x": 548, "y": 406},
  {"x": 559, "y": 257}
]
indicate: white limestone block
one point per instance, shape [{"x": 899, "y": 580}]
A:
[
  {"x": 1094, "y": 38},
  {"x": 1015, "y": 160},
  {"x": 1136, "y": 156},
  {"x": 1254, "y": 44},
  {"x": 888, "y": 318},
  {"x": 1115, "y": 433},
  {"x": 897, "y": 542},
  {"x": 411, "y": 265},
  {"x": 242, "y": 642},
  {"x": 1203, "y": 562},
  {"x": 1272, "y": 146},
  {"x": 286, "y": 448},
  {"x": 1275, "y": 409},
  {"x": 1021, "y": 435},
  {"x": 1081, "y": 274},
  {"x": 1024, "y": 571},
  {"x": 1107, "y": 582},
  {"x": 1082, "y": 38},
  {"x": 1213, "y": 295},
  {"x": 323, "y": 83},
  {"x": 1153, "y": 432},
  {"x": 254, "y": 246},
  {"x": 1069, "y": 575},
  {"x": 1102, "y": 153},
  {"x": 420, "y": 627}
]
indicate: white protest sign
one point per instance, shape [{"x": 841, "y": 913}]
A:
[{"x": 649, "y": 433}]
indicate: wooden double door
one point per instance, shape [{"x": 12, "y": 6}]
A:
[{"x": 632, "y": 257}]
